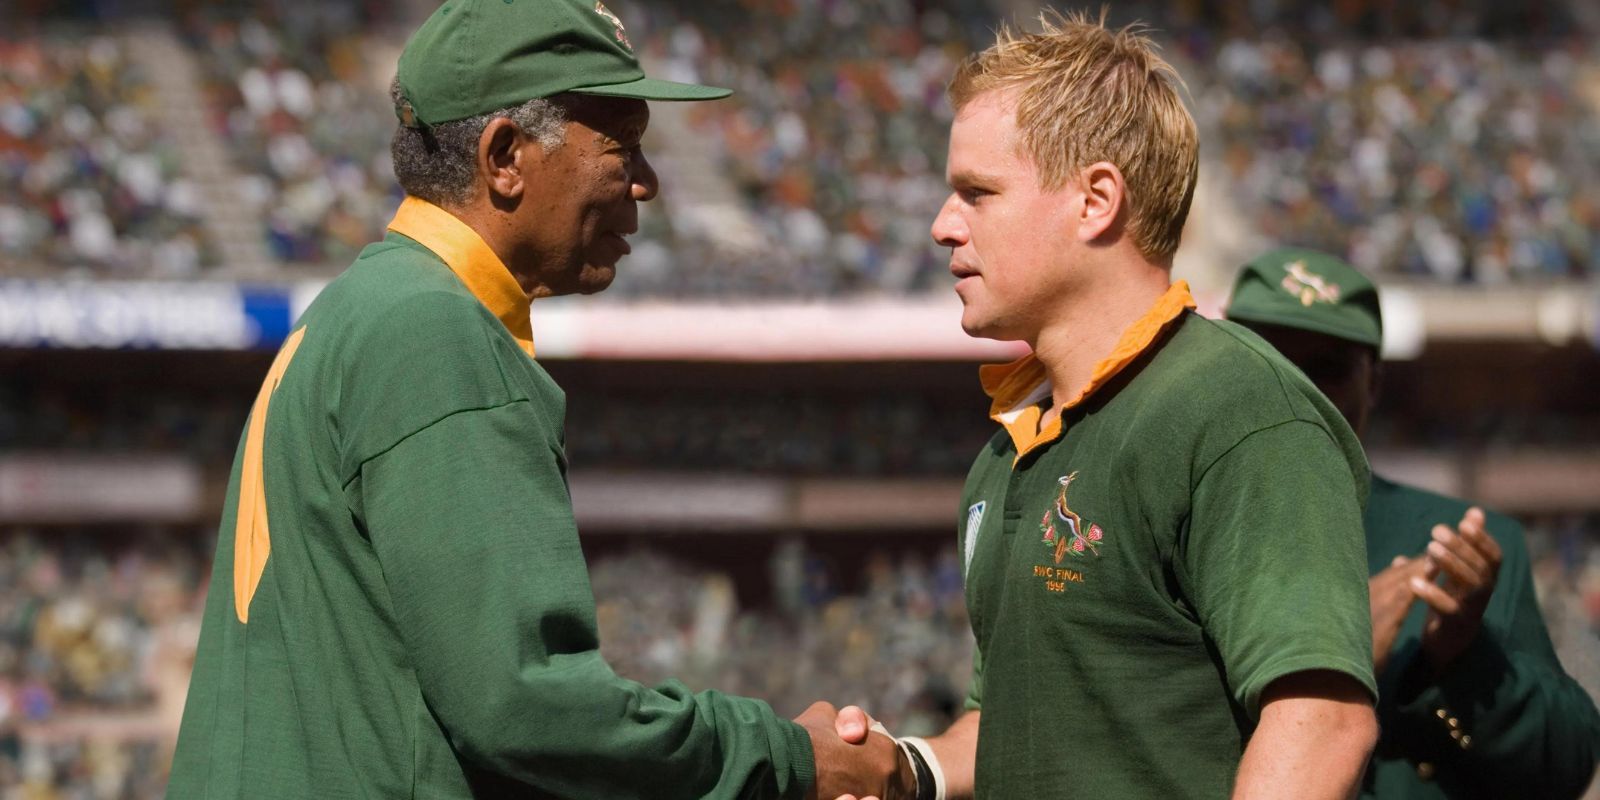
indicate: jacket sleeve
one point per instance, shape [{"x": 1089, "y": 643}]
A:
[
  {"x": 1522, "y": 726},
  {"x": 472, "y": 524}
]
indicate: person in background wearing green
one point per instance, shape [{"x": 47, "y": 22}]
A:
[
  {"x": 1472, "y": 701},
  {"x": 399, "y": 605}
]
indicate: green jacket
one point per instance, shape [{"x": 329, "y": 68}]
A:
[
  {"x": 1526, "y": 728},
  {"x": 399, "y": 604}
]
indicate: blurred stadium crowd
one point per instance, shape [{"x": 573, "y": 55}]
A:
[
  {"x": 93, "y": 634},
  {"x": 89, "y": 179},
  {"x": 1452, "y": 161},
  {"x": 89, "y": 631},
  {"x": 1458, "y": 156},
  {"x": 295, "y": 101},
  {"x": 1426, "y": 142}
]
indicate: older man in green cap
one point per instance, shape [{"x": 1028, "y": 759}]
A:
[
  {"x": 399, "y": 605},
  {"x": 1473, "y": 702}
]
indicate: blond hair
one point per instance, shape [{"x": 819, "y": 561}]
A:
[{"x": 1084, "y": 93}]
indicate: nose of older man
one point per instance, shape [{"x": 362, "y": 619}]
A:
[{"x": 645, "y": 182}]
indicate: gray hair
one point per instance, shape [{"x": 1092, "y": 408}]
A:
[{"x": 439, "y": 168}]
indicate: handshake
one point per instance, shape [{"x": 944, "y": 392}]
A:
[{"x": 857, "y": 759}]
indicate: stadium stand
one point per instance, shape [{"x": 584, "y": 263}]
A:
[
  {"x": 1457, "y": 157},
  {"x": 309, "y": 130},
  {"x": 1446, "y": 145},
  {"x": 835, "y": 143},
  {"x": 1454, "y": 161},
  {"x": 86, "y": 628},
  {"x": 90, "y": 182}
]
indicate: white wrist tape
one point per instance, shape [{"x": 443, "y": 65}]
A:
[{"x": 926, "y": 751}]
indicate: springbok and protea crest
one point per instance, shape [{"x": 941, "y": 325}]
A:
[
  {"x": 1076, "y": 540},
  {"x": 1308, "y": 286},
  {"x": 622, "y": 33}
]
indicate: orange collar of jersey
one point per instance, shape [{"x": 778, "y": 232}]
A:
[
  {"x": 473, "y": 262},
  {"x": 1018, "y": 388}
]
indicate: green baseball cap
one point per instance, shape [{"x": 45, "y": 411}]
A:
[
  {"x": 475, "y": 56},
  {"x": 1297, "y": 288}
]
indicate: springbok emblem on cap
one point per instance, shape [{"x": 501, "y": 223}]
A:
[
  {"x": 1309, "y": 286},
  {"x": 622, "y": 34}
]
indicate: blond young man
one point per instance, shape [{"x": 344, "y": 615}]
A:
[{"x": 1164, "y": 558}]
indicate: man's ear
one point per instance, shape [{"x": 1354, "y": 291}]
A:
[
  {"x": 500, "y": 161},
  {"x": 1104, "y": 193}
]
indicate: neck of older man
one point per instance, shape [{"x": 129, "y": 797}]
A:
[
  {"x": 499, "y": 230},
  {"x": 1119, "y": 289}
]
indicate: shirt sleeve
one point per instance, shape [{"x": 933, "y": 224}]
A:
[
  {"x": 472, "y": 525},
  {"x": 1274, "y": 561},
  {"x": 1530, "y": 729},
  {"x": 975, "y": 689},
  {"x": 966, "y": 539}
]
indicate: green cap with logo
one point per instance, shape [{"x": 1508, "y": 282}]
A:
[
  {"x": 1309, "y": 290},
  {"x": 475, "y": 56}
]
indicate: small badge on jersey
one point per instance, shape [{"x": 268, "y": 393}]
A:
[
  {"x": 974, "y": 524},
  {"x": 1072, "y": 537}
]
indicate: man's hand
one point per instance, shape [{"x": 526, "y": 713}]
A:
[
  {"x": 874, "y": 768},
  {"x": 956, "y": 749},
  {"x": 852, "y": 724},
  {"x": 1469, "y": 559},
  {"x": 1391, "y": 602}
]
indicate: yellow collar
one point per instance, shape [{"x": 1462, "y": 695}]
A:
[
  {"x": 1018, "y": 389},
  {"x": 472, "y": 260}
]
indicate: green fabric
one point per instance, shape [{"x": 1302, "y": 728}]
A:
[
  {"x": 475, "y": 56},
  {"x": 1308, "y": 290},
  {"x": 1535, "y": 732},
  {"x": 1226, "y": 493},
  {"x": 424, "y": 626}
]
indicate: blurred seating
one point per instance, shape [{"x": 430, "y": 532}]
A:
[
  {"x": 84, "y": 614},
  {"x": 1444, "y": 160},
  {"x": 1439, "y": 157},
  {"x": 309, "y": 125},
  {"x": 834, "y": 139},
  {"x": 1566, "y": 573},
  {"x": 90, "y": 183},
  {"x": 901, "y": 646}
]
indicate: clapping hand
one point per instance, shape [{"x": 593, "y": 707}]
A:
[
  {"x": 1392, "y": 596},
  {"x": 1469, "y": 559}
]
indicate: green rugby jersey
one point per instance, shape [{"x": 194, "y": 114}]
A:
[
  {"x": 1189, "y": 532},
  {"x": 1502, "y": 720},
  {"x": 399, "y": 606}
]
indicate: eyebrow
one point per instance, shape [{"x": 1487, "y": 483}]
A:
[
  {"x": 631, "y": 132},
  {"x": 971, "y": 178},
  {"x": 622, "y": 138}
]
